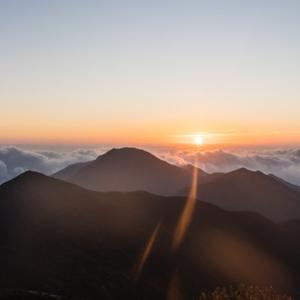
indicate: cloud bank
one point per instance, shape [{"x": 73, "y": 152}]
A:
[
  {"x": 14, "y": 160},
  {"x": 284, "y": 163}
]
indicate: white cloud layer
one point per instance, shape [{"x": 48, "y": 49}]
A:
[
  {"x": 284, "y": 163},
  {"x": 14, "y": 160}
]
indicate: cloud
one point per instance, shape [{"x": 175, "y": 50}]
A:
[
  {"x": 3, "y": 170},
  {"x": 284, "y": 163},
  {"x": 14, "y": 160}
]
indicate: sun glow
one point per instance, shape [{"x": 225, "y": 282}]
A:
[{"x": 198, "y": 139}]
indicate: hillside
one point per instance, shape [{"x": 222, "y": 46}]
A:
[
  {"x": 65, "y": 240},
  {"x": 252, "y": 191}
]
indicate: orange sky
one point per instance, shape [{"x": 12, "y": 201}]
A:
[
  {"x": 79, "y": 134},
  {"x": 150, "y": 72}
]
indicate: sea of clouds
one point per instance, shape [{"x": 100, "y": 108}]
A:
[
  {"x": 15, "y": 160},
  {"x": 284, "y": 163}
]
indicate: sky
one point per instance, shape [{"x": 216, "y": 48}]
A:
[{"x": 149, "y": 72}]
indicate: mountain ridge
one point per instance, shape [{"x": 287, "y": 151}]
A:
[
  {"x": 131, "y": 169},
  {"x": 252, "y": 191}
]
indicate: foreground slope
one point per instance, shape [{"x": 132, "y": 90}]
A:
[
  {"x": 128, "y": 169},
  {"x": 61, "y": 239}
]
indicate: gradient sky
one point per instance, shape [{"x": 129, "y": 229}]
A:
[{"x": 149, "y": 71}]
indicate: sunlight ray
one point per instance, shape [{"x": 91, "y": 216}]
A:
[{"x": 147, "y": 251}]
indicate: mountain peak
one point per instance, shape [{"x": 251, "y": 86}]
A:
[
  {"x": 126, "y": 152},
  {"x": 245, "y": 171},
  {"x": 128, "y": 169},
  {"x": 29, "y": 175}
]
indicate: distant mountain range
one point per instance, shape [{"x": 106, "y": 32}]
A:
[
  {"x": 62, "y": 239},
  {"x": 131, "y": 169}
]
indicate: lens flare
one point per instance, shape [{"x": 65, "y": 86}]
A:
[
  {"x": 147, "y": 251},
  {"x": 174, "y": 290},
  {"x": 187, "y": 213}
]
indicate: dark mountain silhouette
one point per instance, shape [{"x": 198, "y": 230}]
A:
[
  {"x": 293, "y": 186},
  {"x": 252, "y": 191},
  {"x": 64, "y": 240},
  {"x": 128, "y": 169}
]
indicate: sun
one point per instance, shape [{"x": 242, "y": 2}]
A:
[{"x": 198, "y": 140}]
